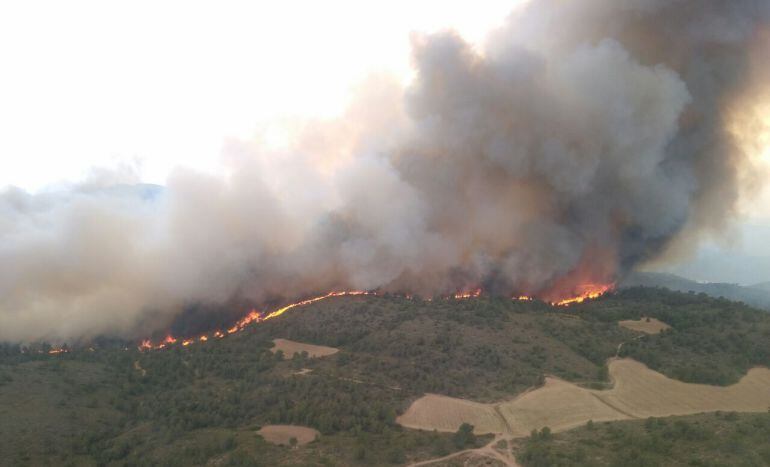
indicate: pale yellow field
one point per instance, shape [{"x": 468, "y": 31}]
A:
[
  {"x": 281, "y": 434},
  {"x": 444, "y": 413},
  {"x": 644, "y": 393},
  {"x": 558, "y": 405},
  {"x": 289, "y": 348},
  {"x": 653, "y": 326},
  {"x": 638, "y": 392}
]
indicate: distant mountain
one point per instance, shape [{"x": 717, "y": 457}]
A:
[
  {"x": 764, "y": 286},
  {"x": 756, "y": 295}
]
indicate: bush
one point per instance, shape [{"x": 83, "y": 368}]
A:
[{"x": 464, "y": 436}]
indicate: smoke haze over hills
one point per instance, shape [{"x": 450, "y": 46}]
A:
[{"x": 587, "y": 138}]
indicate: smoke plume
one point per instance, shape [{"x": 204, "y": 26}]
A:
[{"x": 586, "y": 138}]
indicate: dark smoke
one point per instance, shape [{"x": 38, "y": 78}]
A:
[{"x": 587, "y": 138}]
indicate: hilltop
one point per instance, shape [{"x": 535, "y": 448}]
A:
[
  {"x": 756, "y": 295},
  {"x": 203, "y": 404}
]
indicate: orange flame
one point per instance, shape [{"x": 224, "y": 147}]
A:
[
  {"x": 590, "y": 292},
  {"x": 465, "y": 295},
  {"x": 253, "y": 317},
  {"x": 587, "y": 292}
]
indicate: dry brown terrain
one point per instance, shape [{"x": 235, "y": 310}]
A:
[
  {"x": 281, "y": 434},
  {"x": 638, "y": 392},
  {"x": 442, "y": 413},
  {"x": 289, "y": 348},
  {"x": 558, "y": 405},
  {"x": 645, "y": 325}
]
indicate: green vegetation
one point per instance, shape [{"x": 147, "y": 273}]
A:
[
  {"x": 713, "y": 341},
  {"x": 464, "y": 436},
  {"x": 717, "y": 439},
  {"x": 203, "y": 403}
]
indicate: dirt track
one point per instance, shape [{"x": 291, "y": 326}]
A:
[
  {"x": 638, "y": 392},
  {"x": 487, "y": 452}
]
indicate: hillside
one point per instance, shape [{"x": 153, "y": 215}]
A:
[
  {"x": 202, "y": 404},
  {"x": 756, "y": 295},
  {"x": 716, "y": 439}
]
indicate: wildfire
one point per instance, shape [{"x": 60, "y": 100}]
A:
[
  {"x": 590, "y": 292},
  {"x": 587, "y": 292},
  {"x": 465, "y": 295},
  {"x": 254, "y": 316}
]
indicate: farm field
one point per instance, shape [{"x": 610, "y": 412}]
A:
[
  {"x": 203, "y": 404},
  {"x": 290, "y": 348},
  {"x": 638, "y": 392},
  {"x": 645, "y": 325},
  {"x": 283, "y": 434}
]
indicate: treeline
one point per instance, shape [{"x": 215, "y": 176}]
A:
[{"x": 700, "y": 440}]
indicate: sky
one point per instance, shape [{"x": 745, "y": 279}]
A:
[
  {"x": 160, "y": 84},
  {"x": 155, "y": 85}
]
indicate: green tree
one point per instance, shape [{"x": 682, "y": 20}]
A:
[{"x": 464, "y": 436}]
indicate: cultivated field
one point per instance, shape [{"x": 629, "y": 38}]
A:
[
  {"x": 645, "y": 325},
  {"x": 638, "y": 392},
  {"x": 558, "y": 405},
  {"x": 442, "y": 413},
  {"x": 644, "y": 393},
  {"x": 282, "y": 434},
  {"x": 289, "y": 348}
]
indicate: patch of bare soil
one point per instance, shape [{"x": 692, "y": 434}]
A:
[
  {"x": 138, "y": 367},
  {"x": 282, "y": 434},
  {"x": 289, "y": 348},
  {"x": 442, "y": 413},
  {"x": 645, "y": 325}
]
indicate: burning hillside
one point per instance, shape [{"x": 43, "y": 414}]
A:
[
  {"x": 590, "y": 292},
  {"x": 584, "y": 139}
]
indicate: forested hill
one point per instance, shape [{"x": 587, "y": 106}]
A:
[
  {"x": 757, "y": 295},
  {"x": 202, "y": 404}
]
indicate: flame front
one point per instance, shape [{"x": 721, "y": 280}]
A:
[
  {"x": 475, "y": 293},
  {"x": 588, "y": 292},
  {"x": 254, "y": 316}
]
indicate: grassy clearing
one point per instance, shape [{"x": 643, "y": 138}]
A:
[
  {"x": 289, "y": 348},
  {"x": 288, "y": 435},
  {"x": 645, "y": 325}
]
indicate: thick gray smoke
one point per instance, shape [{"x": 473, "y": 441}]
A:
[{"x": 584, "y": 139}]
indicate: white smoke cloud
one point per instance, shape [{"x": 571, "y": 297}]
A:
[{"x": 584, "y": 139}]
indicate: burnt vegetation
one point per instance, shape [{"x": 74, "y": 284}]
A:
[{"x": 203, "y": 403}]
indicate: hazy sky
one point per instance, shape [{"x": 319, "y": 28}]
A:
[
  {"x": 92, "y": 83},
  {"x": 161, "y": 84}
]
